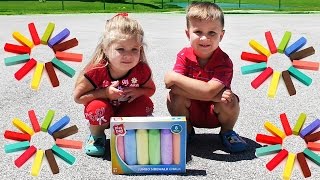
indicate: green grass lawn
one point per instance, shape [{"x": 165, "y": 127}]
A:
[{"x": 91, "y": 6}]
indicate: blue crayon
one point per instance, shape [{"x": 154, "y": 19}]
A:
[
  {"x": 295, "y": 46},
  {"x": 59, "y": 37},
  {"x": 166, "y": 147},
  {"x": 59, "y": 125},
  {"x": 310, "y": 128},
  {"x": 130, "y": 147}
]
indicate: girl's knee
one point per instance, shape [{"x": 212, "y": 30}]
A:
[{"x": 98, "y": 112}]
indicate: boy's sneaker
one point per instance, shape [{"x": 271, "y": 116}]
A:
[
  {"x": 233, "y": 142},
  {"x": 95, "y": 145}
]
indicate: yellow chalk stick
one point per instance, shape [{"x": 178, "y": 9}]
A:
[
  {"x": 37, "y": 76},
  {"x": 22, "y": 39},
  {"x": 274, "y": 130},
  {"x": 142, "y": 146},
  {"x": 47, "y": 34},
  {"x": 36, "y": 165},
  {"x": 274, "y": 84},
  {"x": 289, "y": 166},
  {"x": 299, "y": 124},
  {"x": 22, "y": 126},
  {"x": 259, "y": 48}
]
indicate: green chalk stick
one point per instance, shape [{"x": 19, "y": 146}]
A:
[
  {"x": 63, "y": 154},
  {"x": 47, "y": 34},
  {"x": 253, "y": 68},
  {"x": 300, "y": 76},
  {"x": 154, "y": 146},
  {"x": 63, "y": 67},
  {"x": 14, "y": 147},
  {"x": 16, "y": 59},
  {"x": 284, "y": 42},
  {"x": 299, "y": 124},
  {"x": 268, "y": 150},
  {"x": 312, "y": 156},
  {"x": 47, "y": 121}
]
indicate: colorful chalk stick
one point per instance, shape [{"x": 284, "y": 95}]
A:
[
  {"x": 65, "y": 132},
  {"x": 13, "y": 60},
  {"x": 303, "y": 165},
  {"x": 47, "y": 120},
  {"x": 299, "y": 124},
  {"x": 253, "y": 57},
  {"x": 34, "y": 33},
  {"x": 277, "y": 159},
  {"x": 267, "y": 150},
  {"x": 22, "y": 126},
  {"x": 272, "y": 46},
  {"x": 65, "y": 45},
  {"x": 166, "y": 146},
  {"x": 59, "y": 37},
  {"x": 310, "y": 128},
  {"x": 154, "y": 146},
  {"x": 17, "y": 136},
  {"x": 63, "y": 67},
  {"x": 34, "y": 121},
  {"x": 312, "y": 156},
  {"x": 309, "y": 65},
  {"x": 47, "y": 34},
  {"x": 262, "y": 77},
  {"x": 285, "y": 124},
  {"x": 25, "y": 156},
  {"x": 274, "y": 130},
  {"x": 288, "y": 82},
  {"x": 120, "y": 146},
  {"x": 17, "y": 49},
  {"x": 259, "y": 48},
  {"x": 25, "y": 69},
  {"x": 295, "y": 46},
  {"x": 176, "y": 141},
  {"x": 142, "y": 146},
  {"x": 36, "y": 78},
  {"x": 130, "y": 143},
  {"x": 268, "y": 139},
  {"x": 302, "y": 53},
  {"x": 59, "y": 125},
  {"x": 67, "y": 157},
  {"x": 313, "y": 146},
  {"x": 257, "y": 67},
  {"x": 36, "y": 165},
  {"x": 22, "y": 39},
  {"x": 67, "y": 56},
  {"x": 289, "y": 166},
  {"x": 14, "y": 147},
  {"x": 284, "y": 42},
  {"x": 69, "y": 143},
  {"x": 312, "y": 137},
  {"x": 52, "y": 74},
  {"x": 300, "y": 76},
  {"x": 274, "y": 84},
  {"x": 52, "y": 161}
]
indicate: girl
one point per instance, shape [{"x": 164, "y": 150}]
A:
[{"x": 116, "y": 82}]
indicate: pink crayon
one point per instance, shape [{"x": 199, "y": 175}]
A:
[{"x": 166, "y": 146}]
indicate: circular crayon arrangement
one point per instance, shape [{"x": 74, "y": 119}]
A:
[
  {"x": 56, "y": 43},
  {"x": 293, "y": 52},
  {"x": 309, "y": 134},
  {"x": 56, "y": 131}
]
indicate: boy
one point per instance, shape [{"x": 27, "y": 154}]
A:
[{"x": 201, "y": 78}]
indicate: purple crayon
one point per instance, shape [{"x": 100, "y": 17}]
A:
[
  {"x": 310, "y": 128},
  {"x": 166, "y": 146},
  {"x": 59, "y": 37}
]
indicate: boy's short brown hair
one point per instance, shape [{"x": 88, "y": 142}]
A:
[{"x": 204, "y": 11}]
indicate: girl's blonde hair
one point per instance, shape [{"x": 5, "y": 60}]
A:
[
  {"x": 117, "y": 28},
  {"x": 204, "y": 11}
]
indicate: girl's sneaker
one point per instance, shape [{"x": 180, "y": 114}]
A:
[{"x": 95, "y": 145}]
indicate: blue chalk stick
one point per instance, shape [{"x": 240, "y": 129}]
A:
[
  {"x": 59, "y": 125},
  {"x": 59, "y": 37},
  {"x": 16, "y": 59},
  {"x": 310, "y": 128},
  {"x": 130, "y": 147},
  {"x": 14, "y": 147},
  {"x": 295, "y": 46}
]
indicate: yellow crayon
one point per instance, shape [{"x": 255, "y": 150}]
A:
[
  {"x": 37, "y": 76},
  {"x": 274, "y": 130},
  {"x": 299, "y": 124},
  {"x": 259, "y": 48},
  {"x": 22, "y": 126},
  {"x": 274, "y": 84},
  {"x": 35, "y": 169},
  {"x": 289, "y": 166},
  {"x": 22, "y": 39}
]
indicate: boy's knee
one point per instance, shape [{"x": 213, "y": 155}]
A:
[
  {"x": 98, "y": 112},
  {"x": 177, "y": 103}
]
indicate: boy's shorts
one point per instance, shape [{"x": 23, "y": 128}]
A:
[
  {"x": 202, "y": 115},
  {"x": 98, "y": 112}
]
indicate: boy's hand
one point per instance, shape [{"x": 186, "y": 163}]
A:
[
  {"x": 169, "y": 79},
  {"x": 112, "y": 92},
  {"x": 227, "y": 96},
  {"x": 131, "y": 93}
]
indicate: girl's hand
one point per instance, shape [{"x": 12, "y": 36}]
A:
[
  {"x": 112, "y": 92},
  {"x": 132, "y": 93},
  {"x": 227, "y": 96}
]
